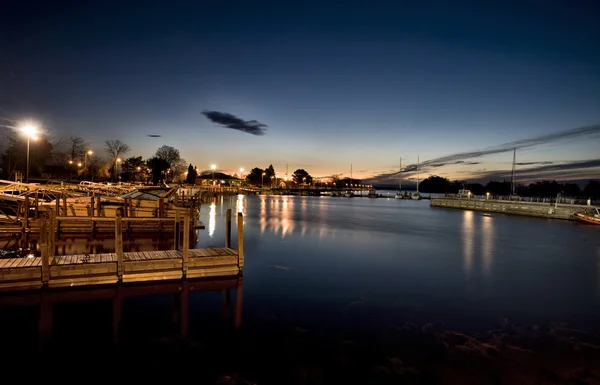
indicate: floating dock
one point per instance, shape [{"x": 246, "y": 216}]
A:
[
  {"x": 533, "y": 209},
  {"x": 48, "y": 270}
]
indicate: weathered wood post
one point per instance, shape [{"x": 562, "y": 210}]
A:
[
  {"x": 65, "y": 205},
  {"x": 119, "y": 245},
  {"x": 92, "y": 201},
  {"x": 176, "y": 228},
  {"x": 228, "y": 229},
  {"x": 98, "y": 206},
  {"x": 26, "y": 212},
  {"x": 186, "y": 245},
  {"x": 57, "y": 204},
  {"x": 52, "y": 233},
  {"x": 44, "y": 249},
  {"x": 240, "y": 241},
  {"x": 37, "y": 206},
  {"x": 161, "y": 207}
]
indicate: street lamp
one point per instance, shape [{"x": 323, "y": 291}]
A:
[
  {"x": 262, "y": 180},
  {"x": 117, "y": 161},
  {"x": 213, "y": 167},
  {"x": 31, "y": 132}
]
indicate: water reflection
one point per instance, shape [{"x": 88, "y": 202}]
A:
[
  {"x": 73, "y": 244},
  {"x": 46, "y": 300},
  {"x": 487, "y": 244},
  {"x": 468, "y": 240},
  {"x": 212, "y": 219},
  {"x": 239, "y": 204}
]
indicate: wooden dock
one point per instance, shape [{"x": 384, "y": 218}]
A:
[{"x": 47, "y": 270}]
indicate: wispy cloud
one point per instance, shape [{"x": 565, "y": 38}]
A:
[
  {"x": 463, "y": 157},
  {"x": 226, "y": 120}
]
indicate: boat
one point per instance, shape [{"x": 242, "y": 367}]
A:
[
  {"x": 589, "y": 216},
  {"x": 399, "y": 193},
  {"x": 417, "y": 196},
  {"x": 373, "y": 193}
]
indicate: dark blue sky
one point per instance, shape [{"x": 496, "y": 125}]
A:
[{"x": 337, "y": 83}]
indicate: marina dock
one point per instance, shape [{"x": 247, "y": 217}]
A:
[
  {"x": 49, "y": 270},
  {"x": 533, "y": 209}
]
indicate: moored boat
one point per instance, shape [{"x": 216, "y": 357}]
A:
[{"x": 589, "y": 216}]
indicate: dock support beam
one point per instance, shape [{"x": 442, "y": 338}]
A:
[
  {"x": 228, "y": 229},
  {"x": 44, "y": 249},
  {"x": 186, "y": 244},
  {"x": 240, "y": 240},
  {"x": 119, "y": 246}
]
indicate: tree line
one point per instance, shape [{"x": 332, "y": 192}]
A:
[
  {"x": 72, "y": 158},
  {"x": 267, "y": 177},
  {"x": 438, "y": 184}
]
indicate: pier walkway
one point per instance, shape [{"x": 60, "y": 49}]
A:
[{"x": 46, "y": 270}]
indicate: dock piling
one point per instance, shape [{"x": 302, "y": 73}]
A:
[
  {"x": 44, "y": 249},
  {"x": 240, "y": 240},
  {"x": 119, "y": 246},
  {"x": 228, "y": 229},
  {"x": 186, "y": 244}
]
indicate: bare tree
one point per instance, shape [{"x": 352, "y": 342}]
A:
[
  {"x": 116, "y": 148},
  {"x": 77, "y": 148},
  {"x": 168, "y": 153}
]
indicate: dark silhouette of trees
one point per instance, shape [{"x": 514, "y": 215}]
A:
[
  {"x": 592, "y": 189},
  {"x": 158, "y": 167},
  {"x": 192, "y": 175},
  {"x": 435, "y": 184},
  {"x": 255, "y": 176},
  {"x": 301, "y": 176},
  {"x": 270, "y": 171},
  {"x": 77, "y": 149},
  {"x": 498, "y": 188},
  {"x": 116, "y": 149},
  {"x": 475, "y": 188},
  {"x": 133, "y": 169}
]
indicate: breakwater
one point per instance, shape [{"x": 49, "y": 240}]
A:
[{"x": 534, "y": 209}]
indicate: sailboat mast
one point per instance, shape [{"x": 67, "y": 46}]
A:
[
  {"x": 399, "y": 176},
  {"x": 417, "y": 174},
  {"x": 512, "y": 174}
]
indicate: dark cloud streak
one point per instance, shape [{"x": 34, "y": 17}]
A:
[{"x": 226, "y": 120}]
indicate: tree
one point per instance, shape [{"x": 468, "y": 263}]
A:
[
  {"x": 192, "y": 175},
  {"x": 592, "y": 189},
  {"x": 158, "y": 167},
  {"x": 301, "y": 176},
  {"x": 115, "y": 149},
  {"x": 255, "y": 176},
  {"x": 15, "y": 156},
  {"x": 168, "y": 153},
  {"x": 133, "y": 169},
  {"x": 435, "y": 184},
  {"x": 77, "y": 148},
  {"x": 269, "y": 172}
]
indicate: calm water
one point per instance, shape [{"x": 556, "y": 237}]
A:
[{"x": 358, "y": 263}]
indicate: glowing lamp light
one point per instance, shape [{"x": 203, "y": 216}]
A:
[{"x": 30, "y": 130}]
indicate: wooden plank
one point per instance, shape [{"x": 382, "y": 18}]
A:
[{"x": 3, "y": 262}]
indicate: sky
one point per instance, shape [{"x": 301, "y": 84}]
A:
[{"x": 330, "y": 87}]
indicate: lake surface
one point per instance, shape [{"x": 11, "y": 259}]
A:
[{"x": 358, "y": 263}]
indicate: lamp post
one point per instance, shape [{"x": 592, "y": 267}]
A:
[
  {"x": 117, "y": 161},
  {"x": 31, "y": 132},
  {"x": 262, "y": 180},
  {"x": 213, "y": 167}
]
